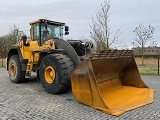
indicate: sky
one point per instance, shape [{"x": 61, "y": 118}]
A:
[{"x": 77, "y": 14}]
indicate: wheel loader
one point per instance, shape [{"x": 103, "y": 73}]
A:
[{"x": 108, "y": 80}]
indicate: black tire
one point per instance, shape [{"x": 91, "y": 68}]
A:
[
  {"x": 15, "y": 65},
  {"x": 63, "y": 67}
]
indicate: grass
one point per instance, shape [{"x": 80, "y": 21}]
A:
[
  {"x": 150, "y": 66},
  {"x": 148, "y": 71},
  {"x": 3, "y": 62},
  {"x": 1, "y": 65}
]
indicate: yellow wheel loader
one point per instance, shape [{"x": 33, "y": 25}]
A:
[{"x": 108, "y": 80}]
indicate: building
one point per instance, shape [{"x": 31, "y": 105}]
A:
[{"x": 147, "y": 50}]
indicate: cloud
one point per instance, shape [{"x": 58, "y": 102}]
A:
[{"x": 78, "y": 14}]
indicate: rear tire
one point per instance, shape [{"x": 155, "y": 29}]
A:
[
  {"x": 55, "y": 73},
  {"x": 16, "y": 74}
]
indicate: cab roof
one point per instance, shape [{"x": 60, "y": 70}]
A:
[{"x": 48, "y": 21}]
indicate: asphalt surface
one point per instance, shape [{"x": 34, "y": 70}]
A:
[{"x": 29, "y": 101}]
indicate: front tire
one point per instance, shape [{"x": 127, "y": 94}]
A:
[
  {"x": 55, "y": 73},
  {"x": 16, "y": 74}
]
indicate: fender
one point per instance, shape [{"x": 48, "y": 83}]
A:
[
  {"x": 68, "y": 50},
  {"x": 15, "y": 50}
]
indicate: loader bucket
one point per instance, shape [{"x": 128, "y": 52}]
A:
[{"x": 110, "y": 81}]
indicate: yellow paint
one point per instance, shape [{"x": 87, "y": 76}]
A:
[
  {"x": 112, "y": 85},
  {"x": 12, "y": 70},
  {"x": 49, "y": 74},
  {"x": 32, "y": 52}
]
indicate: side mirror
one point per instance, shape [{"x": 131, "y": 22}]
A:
[
  {"x": 24, "y": 39},
  {"x": 66, "y": 33},
  {"x": 66, "y": 28}
]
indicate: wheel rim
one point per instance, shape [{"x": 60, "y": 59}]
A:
[
  {"x": 49, "y": 74},
  {"x": 13, "y": 70}
]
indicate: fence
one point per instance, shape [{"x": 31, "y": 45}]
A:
[
  {"x": 2, "y": 62},
  {"x": 151, "y": 65}
]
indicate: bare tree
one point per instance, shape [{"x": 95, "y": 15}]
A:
[
  {"x": 154, "y": 43},
  {"x": 143, "y": 34},
  {"x": 100, "y": 31},
  {"x": 7, "y": 41}
]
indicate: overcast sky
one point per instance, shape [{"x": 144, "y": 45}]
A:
[{"x": 77, "y": 14}]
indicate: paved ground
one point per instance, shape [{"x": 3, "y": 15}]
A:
[{"x": 28, "y": 101}]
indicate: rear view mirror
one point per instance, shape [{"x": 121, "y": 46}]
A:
[
  {"x": 66, "y": 32},
  {"x": 66, "y": 28}
]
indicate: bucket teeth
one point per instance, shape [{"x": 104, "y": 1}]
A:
[{"x": 112, "y": 54}]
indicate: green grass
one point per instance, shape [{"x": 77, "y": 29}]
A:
[
  {"x": 145, "y": 70},
  {"x": 1, "y": 64},
  {"x": 148, "y": 71}
]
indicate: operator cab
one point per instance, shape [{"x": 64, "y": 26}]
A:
[{"x": 43, "y": 30}]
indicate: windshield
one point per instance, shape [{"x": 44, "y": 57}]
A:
[{"x": 52, "y": 31}]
